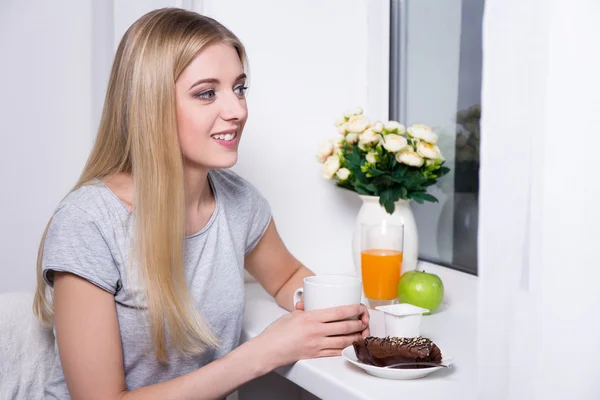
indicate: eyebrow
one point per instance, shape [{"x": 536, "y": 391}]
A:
[{"x": 213, "y": 80}]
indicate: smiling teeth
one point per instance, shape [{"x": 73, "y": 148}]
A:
[{"x": 226, "y": 136}]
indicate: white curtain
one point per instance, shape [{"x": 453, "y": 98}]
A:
[{"x": 539, "y": 229}]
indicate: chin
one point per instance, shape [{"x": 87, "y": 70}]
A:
[
  {"x": 220, "y": 161},
  {"x": 224, "y": 164}
]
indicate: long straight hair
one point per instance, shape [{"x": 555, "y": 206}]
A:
[{"x": 138, "y": 135}]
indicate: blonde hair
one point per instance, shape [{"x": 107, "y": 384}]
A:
[{"x": 138, "y": 135}]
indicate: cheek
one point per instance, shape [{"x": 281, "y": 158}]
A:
[{"x": 193, "y": 128}]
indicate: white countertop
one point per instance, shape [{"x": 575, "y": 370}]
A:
[{"x": 452, "y": 327}]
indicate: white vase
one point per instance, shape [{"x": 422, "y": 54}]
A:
[{"x": 372, "y": 212}]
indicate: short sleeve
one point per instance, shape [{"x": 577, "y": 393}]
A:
[
  {"x": 74, "y": 243},
  {"x": 260, "y": 219}
]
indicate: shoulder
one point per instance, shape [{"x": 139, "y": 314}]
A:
[
  {"x": 91, "y": 203},
  {"x": 227, "y": 182},
  {"x": 80, "y": 240},
  {"x": 237, "y": 192}
]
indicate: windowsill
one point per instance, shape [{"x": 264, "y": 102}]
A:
[{"x": 452, "y": 327}]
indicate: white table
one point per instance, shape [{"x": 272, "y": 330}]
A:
[{"x": 453, "y": 328}]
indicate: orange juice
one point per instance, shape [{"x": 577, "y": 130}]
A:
[{"x": 381, "y": 273}]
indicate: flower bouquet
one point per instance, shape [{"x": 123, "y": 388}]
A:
[{"x": 384, "y": 160}]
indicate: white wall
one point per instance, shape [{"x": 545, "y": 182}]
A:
[{"x": 46, "y": 114}]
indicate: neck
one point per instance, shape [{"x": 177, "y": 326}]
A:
[{"x": 197, "y": 189}]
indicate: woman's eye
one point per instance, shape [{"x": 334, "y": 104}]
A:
[
  {"x": 241, "y": 90},
  {"x": 207, "y": 95}
]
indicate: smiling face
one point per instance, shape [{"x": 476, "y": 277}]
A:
[{"x": 211, "y": 107}]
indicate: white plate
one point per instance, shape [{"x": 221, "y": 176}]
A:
[{"x": 393, "y": 373}]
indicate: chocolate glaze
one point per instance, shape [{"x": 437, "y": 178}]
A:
[{"x": 382, "y": 352}]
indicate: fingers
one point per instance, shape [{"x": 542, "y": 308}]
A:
[
  {"x": 300, "y": 306},
  {"x": 343, "y": 327},
  {"x": 340, "y": 313},
  {"x": 366, "y": 333},
  {"x": 365, "y": 317},
  {"x": 340, "y": 342},
  {"x": 330, "y": 353}
]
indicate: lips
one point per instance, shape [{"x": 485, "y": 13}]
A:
[{"x": 225, "y": 136}]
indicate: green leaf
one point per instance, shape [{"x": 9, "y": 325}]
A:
[
  {"x": 389, "y": 196},
  {"x": 353, "y": 157},
  {"x": 377, "y": 172},
  {"x": 371, "y": 188},
  {"x": 443, "y": 171},
  {"x": 403, "y": 193},
  {"x": 359, "y": 188},
  {"x": 386, "y": 199},
  {"x": 366, "y": 189},
  {"x": 400, "y": 180},
  {"x": 428, "y": 197},
  {"x": 389, "y": 207},
  {"x": 421, "y": 197}
]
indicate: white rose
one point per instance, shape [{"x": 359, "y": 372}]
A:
[
  {"x": 325, "y": 151},
  {"x": 409, "y": 157},
  {"x": 395, "y": 127},
  {"x": 423, "y": 132},
  {"x": 331, "y": 166},
  {"x": 352, "y": 138},
  {"x": 357, "y": 124},
  {"x": 428, "y": 150},
  {"x": 353, "y": 111},
  {"x": 343, "y": 174},
  {"x": 394, "y": 143},
  {"x": 366, "y": 138},
  {"x": 340, "y": 121},
  {"x": 342, "y": 129},
  {"x": 337, "y": 143},
  {"x": 372, "y": 157},
  {"x": 377, "y": 127}
]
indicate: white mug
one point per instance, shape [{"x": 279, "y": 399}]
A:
[{"x": 325, "y": 291}]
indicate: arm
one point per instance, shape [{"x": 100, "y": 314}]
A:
[
  {"x": 275, "y": 268},
  {"x": 91, "y": 355}
]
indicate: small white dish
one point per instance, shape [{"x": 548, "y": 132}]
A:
[
  {"x": 402, "y": 320},
  {"x": 393, "y": 373}
]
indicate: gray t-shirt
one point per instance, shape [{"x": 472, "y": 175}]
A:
[{"x": 91, "y": 234}]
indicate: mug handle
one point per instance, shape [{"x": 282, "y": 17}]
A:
[{"x": 298, "y": 296}]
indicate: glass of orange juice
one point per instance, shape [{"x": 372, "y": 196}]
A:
[{"x": 381, "y": 261}]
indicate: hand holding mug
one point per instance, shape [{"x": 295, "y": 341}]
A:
[
  {"x": 310, "y": 334},
  {"x": 327, "y": 320}
]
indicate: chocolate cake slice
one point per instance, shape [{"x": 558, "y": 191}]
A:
[{"x": 382, "y": 352}]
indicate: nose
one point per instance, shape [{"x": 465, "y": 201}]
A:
[{"x": 233, "y": 108}]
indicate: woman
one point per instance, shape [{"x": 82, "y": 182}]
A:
[{"x": 141, "y": 267}]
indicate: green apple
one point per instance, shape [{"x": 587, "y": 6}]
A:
[{"x": 421, "y": 289}]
